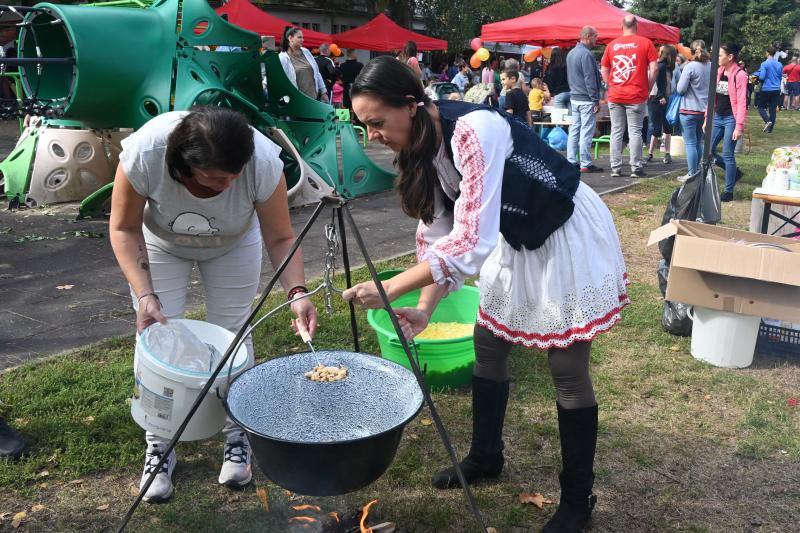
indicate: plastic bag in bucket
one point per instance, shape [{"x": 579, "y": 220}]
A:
[
  {"x": 176, "y": 345},
  {"x": 164, "y": 393}
]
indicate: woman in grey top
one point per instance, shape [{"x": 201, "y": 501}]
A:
[
  {"x": 693, "y": 86},
  {"x": 202, "y": 188},
  {"x": 300, "y": 66}
]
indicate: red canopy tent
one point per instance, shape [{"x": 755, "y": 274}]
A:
[
  {"x": 561, "y": 23},
  {"x": 245, "y": 15},
  {"x": 381, "y": 34}
]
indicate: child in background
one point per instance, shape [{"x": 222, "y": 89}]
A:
[
  {"x": 338, "y": 93},
  {"x": 536, "y": 98},
  {"x": 515, "y": 102}
]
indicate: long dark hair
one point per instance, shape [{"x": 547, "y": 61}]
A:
[
  {"x": 558, "y": 58},
  {"x": 396, "y": 84},
  {"x": 209, "y": 137},
  {"x": 409, "y": 50},
  {"x": 288, "y": 31},
  {"x": 732, "y": 49}
]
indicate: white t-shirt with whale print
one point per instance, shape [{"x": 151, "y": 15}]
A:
[{"x": 177, "y": 221}]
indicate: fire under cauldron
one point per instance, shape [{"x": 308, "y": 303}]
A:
[{"x": 324, "y": 438}]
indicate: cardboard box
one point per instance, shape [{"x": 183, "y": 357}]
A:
[{"x": 720, "y": 268}]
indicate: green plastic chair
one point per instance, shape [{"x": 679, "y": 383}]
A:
[
  {"x": 344, "y": 116},
  {"x": 597, "y": 140}
]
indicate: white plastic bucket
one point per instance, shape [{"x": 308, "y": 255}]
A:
[
  {"x": 723, "y": 339},
  {"x": 677, "y": 147},
  {"x": 164, "y": 394}
]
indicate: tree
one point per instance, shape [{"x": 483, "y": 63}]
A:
[
  {"x": 695, "y": 18},
  {"x": 762, "y": 31},
  {"x": 457, "y": 21}
]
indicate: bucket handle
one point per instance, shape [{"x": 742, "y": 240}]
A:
[
  {"x": 690, "y": 312},
  {"x": 253, "y": 326}
]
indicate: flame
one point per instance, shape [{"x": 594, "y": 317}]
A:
[
  {"x": 364, "y": 517},
  {"x": 306, "y": 507},
  {"x": 302, "y": 520},
  {"x": 334, "y": 515}
]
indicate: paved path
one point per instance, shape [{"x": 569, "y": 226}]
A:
[{"x": 44, "y": 249}]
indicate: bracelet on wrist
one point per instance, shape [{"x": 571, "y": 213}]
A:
[
  {"x": 145, "y": 295},
  {"x": 294, "y": 291}
]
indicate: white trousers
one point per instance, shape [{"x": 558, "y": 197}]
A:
[{"x": 230, "y": 282}]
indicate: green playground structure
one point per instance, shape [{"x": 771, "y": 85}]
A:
[{"x": 118, "y": 67}]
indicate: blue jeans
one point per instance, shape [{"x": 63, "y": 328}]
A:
[
  {"x": 692, "y": 126},
  {"x": 561, "y": 100},
  {"x": 723, "y": 131},
  {"x": 770, "y": 100},
  {"x": 581, "y": 128}
]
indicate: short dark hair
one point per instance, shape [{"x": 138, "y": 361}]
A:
[
  {"x": 288, "y": 31},
  {"x": 772, "y": 50},
  {"x": 209, "y": 137},
  {"x": 512, "y": 74}
]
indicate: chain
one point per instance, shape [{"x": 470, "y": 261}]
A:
[{"x": 330, "y": 265}]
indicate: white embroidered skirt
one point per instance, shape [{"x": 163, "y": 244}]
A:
[{"x": 570, "y": 289}]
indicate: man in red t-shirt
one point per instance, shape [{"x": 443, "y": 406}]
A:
[
  {"x": 792, "y": 73},
  {"x": 629, "y": 69}
]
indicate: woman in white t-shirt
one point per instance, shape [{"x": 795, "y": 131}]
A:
[{"x": 202, "y": 187}]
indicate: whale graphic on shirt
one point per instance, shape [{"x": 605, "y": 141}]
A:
[{"x": 195, "y": 224}]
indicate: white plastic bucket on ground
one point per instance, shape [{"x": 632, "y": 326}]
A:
[
  {"x": 723, "y": 339},
  {"x": 677, "y": 147},
  {"x": 164, "y": 394}
]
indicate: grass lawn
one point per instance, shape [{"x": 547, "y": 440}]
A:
[{"x": 683, "y": 446}]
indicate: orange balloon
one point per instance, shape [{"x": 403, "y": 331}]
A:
[
  {"x": 685, "y": 51},
  {"x": 334, "y": 48},
  {"x": 531, "y": 56},
  {"x": 546, "y": 52},
  {"x": 475, "y": 61}
]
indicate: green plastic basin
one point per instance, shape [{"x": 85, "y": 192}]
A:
[{"x": 447, "y": 363}]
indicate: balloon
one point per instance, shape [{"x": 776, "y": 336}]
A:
[
  {"x": 482, "y": 54},
  {"x": 685, "y": 51},
  {"x": 475, "y": 43},
  {"x": 531, "y": 56},
  {"x": 335, "y": 50},
  {"x": 546, "y": 52},
  {"x": 475, "y": 61}
]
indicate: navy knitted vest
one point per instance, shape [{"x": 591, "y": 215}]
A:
[{"x": 538, "y": 182}]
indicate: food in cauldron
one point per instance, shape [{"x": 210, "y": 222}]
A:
[{"x": 326, "y": 373}]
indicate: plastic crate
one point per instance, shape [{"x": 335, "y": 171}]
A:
[{"x": 777, "y": 339}]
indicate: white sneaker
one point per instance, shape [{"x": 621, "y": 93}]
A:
[
  {"x": 161, "y": 488},
  {"x": 683, "y": 178},
  {"x": 236, "y": 468}
]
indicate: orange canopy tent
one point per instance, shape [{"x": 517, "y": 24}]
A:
[
  {"x": 382, "y": 34},
  {"x": 560, "y": 25},
  {"x": 245, "y": 15}
]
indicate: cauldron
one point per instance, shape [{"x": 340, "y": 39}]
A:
[{"x": 324, "y": 438}]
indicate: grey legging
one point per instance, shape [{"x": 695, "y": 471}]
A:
[{"x": 569, "y": 367}]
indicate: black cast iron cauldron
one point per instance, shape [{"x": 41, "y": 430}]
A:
[{"x": 321, "y": 438}]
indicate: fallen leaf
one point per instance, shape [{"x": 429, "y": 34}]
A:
[
  {"x": 103, "y": 507},
  {"x": 133, "y": 490},
  {"x": 36, "y": 508},
  {"x": 707, "y": 397},
  {"x": 261, "y": 492},
  {"x": 675, "y": 348},
  {"x": 791, "y": 402},
  {"x": 44, "y": 473},
  {"x": 89, "y": 419},
  {"x": 491, "y": 530},
  {"x": 75, "y": 482},
  {"x": 426, "y": 421},
  {"x": 18, "y": 518},
  {"x": 234, "y": 498},
  {"x": 5, "y": 515},
  {"x": 535, "y": 498},
  {"x": 42, "y": 486},
  {"x": 20, "y": 422},
  {"x": 64, "y": 287}
]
